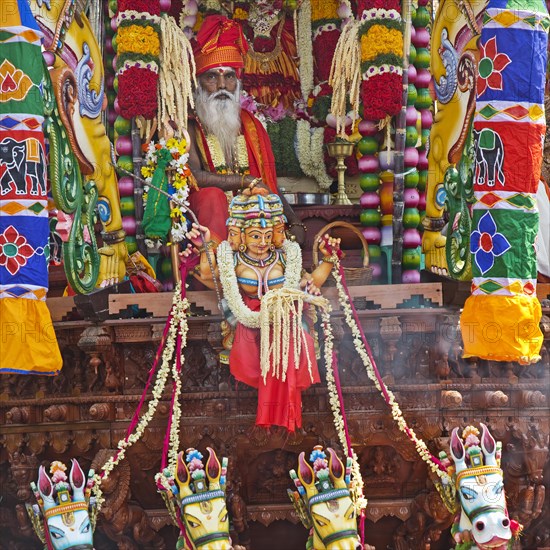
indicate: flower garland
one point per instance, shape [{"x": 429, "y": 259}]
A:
[
  {"x": 357, "y": 485},
  {"x": 218, "y": 158},
  {"x": 305, "y": 48},
  {"x": 181, "y": 182},
  {"x": 138, "y": 49},
  {"x": 173, "y": 342},
  {"x": 228, "y": 278},
  {"x": 359, "y": 342},
  {"x": 381, "y": 38},
  {"x": 310, "y": 153}
]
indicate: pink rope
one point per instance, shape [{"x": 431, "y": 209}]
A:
[{"x": 383, "y": 386}]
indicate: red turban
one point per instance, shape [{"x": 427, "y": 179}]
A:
[{"x": 220, "y": 42}]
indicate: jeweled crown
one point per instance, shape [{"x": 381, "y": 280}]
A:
[{"x": 256, "y": 210}]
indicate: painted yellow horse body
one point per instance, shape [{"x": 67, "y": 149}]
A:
[
  {"x": 454, "y": 59},
  {"x": 77, "y": 49}
]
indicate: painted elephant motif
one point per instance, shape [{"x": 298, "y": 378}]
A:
[
  {"x": 22, "y": 159},
  {"x": 489, "y": 157}
]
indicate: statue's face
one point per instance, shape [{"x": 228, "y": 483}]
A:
[
  {"x": 234, "y": 237},
  {"x": 279, "y": 235},
  {"x": 258, "y": 240}
]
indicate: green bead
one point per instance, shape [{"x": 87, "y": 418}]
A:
[
  {"x": 368, "y": 145},
  {"x": 411, "y": 218},
  {"x": 114, "y": 43},
  {"x": 421, "y": 17},
  {"x": 369, "y": 182},
  {"x": 131, "y": 244},
  {"x": 127, "y": 206},
  {"x": 411, "y": 179},
  {"x": 115, "y": 84},
  {"x": 422, "y": 180},
  {"x": 113, "y": 5},
  {"x": 370, "y": 217},
  {"x": 411, "y": 136},
  {"x": 125, "y": 162},
  {"x": 422, "y": 58},
  {"x": 411, "y": 258},
  {"x": 375, "y": 252},
  {"x": 412, "y": 94},
  {"x": 122, "y": 126},
  {"x": 424, "y": 99},
  {"x": 412, "y": 54}
]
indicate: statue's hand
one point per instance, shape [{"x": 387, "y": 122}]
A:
[
  {"x": 197, "y": 233},
  {"x": 112, "y": 264},
  {"x": 326, "y": 242},
  {"x": 308, "y": 286}
]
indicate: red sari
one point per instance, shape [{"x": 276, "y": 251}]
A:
[{"x": 279, "y": 403}]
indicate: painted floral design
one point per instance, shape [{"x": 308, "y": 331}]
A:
[
  {"x": 490, "y": 67},
  {"x": 486, "y": 243},
  {"x": 14, "y": 250}
]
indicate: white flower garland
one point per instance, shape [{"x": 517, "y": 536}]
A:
[
  {"x": 311, "y": 154},
  {"x": 218, "y": 157},
  {"x": 396, "y": 412},
  {"x": 228, "y": 278},
  {"x": 305, "y": 48},
  {"x": 178, "y": 324},
  {"x": 356, "y": 487}
]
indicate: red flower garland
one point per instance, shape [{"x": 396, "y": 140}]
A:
[
  {"x": 379, "y": 4},
  {"x": 138, "y": 87},
  {"x": 323, "y": 52},
  {"x": 381, "y": 96},
  {"x": 147, "y": 6}
]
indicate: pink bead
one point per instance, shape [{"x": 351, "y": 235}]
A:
[
  {"x": 410, "y": 276},
  {"x": 123, "y": 145},
  {"x": 368, "y": 163},
  {"x": 411, "y": 157},
  {"x": 115, "y": 58},
  {"x": 411, "y": 238},
  {"x": 422, "y": 202},
  {"x": 116, "y": 106},
  {"x": 411, "y": 197},
  {"x": 413, "y": 34},
  {"x": 111, "y": 116},
  {"x": 114, "y": 25},
  {"x": 412, "y": 74},
  {"x": 376, "y": 270},
  {"x": 129, "y": 225},
  {"x": 421, "y": 38},
  {"x": 367, "y": 128},
  {"x": 370, "y": 200},
  {"x": 423, "y": 78},
  {"x": 126, "y": 186},
  {"x": 109, "y": 79},
  {"x": 109, "y": 45},
  {"x": 427, "y": 118},
  {"x": 411, "y": 115},
  {"x": 49, "y": 58},
  {"x": 422, "y": 160},
  {"x": 165, "y": 5},
  {"x": 371, "y": 234}
]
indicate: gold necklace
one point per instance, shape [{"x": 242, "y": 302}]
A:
[{"x": 264, "y": 59}]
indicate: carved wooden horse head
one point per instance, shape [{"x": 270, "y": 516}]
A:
[
  {"x": 324, "y": 503},
  {"x": 484, "y": 519},
  {"x": 64, "y": 516}
]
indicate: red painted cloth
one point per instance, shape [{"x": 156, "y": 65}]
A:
[{"x": 279, "y": 403}]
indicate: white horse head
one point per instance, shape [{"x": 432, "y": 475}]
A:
[{"x": 479, "y": 483}]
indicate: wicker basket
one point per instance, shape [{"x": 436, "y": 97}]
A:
[{"x": 355, "y": 276}]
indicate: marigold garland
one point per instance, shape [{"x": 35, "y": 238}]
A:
[{"x": 138, "y": 39}]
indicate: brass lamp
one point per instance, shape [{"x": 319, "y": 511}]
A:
[{"x": 340, "y": 150}]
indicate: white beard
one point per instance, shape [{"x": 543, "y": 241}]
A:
[{"x": 221, "y": 117}]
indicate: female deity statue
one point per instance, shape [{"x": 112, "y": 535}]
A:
[{"x": 261, "y": 275}]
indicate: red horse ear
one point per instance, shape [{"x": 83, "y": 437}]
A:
[
  {"x": 457, "y": 447},
  {"x": 44, "y": 482},
  {"x": 213, "y": 466},
  {"x": 335, "y": 464},
  {"x": 305, "y": 470},
  {"x": 77, "y": 475},
  {"x": 182, "y": 474},
  {"x": 488, "y": 443}
]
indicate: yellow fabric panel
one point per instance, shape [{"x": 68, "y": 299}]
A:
[
  {"x": 502, "y": 328},
  {"x": 28, "y": 344}
]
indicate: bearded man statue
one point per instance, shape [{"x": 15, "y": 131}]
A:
[{"x": 231, "y": 150}]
